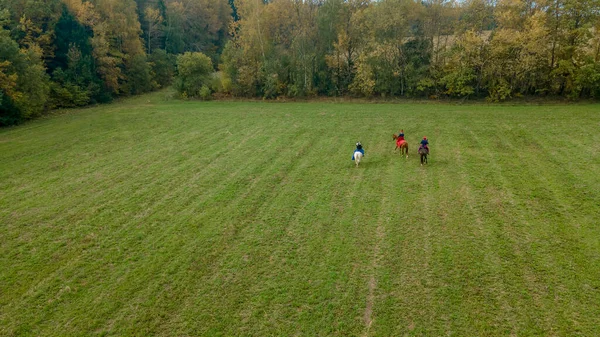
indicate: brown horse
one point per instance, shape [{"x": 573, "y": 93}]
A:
[
  {"x": 423, "y": 152},
  {"x": 402, "y": 145}
]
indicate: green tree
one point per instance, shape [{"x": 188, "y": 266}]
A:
[
  {"x": 73, "y": 70},
  {"x": 139, "y": 76},
  {"x": 163, "y": 67},
  {"x": 175, "y": 20},
  {"x": 194, "y": 70},
  {"x": 24, "y": 82}
]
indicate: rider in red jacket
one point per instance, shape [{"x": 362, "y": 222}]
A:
[{"x": 400, "y": 138}]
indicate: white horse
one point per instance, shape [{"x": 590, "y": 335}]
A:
[{"x": 357, "y": 157}]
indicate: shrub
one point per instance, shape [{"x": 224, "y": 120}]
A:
[
  {"x": 216, "y": 82},
  {"x": 193, "y": 72},
  {"x": 205, "y": 93},
  {"x": 9, "y": 113},
  {"x": 67, "y": 95},
  {"x": 226, "y": 84}
]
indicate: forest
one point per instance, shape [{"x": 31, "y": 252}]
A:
[{"x": 69, "y": 53}]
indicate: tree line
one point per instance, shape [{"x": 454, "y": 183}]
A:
[
  {"x": 68, "y": 53},
  {"x": 65, "y": 53},
  {"x": 497, "y": 49}
]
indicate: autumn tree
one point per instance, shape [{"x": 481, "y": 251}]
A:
[
  {"x": 154, "y": 31},
  {"x": 24, "y": 89}
]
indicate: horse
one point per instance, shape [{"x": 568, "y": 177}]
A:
[
  {"x": 358, "y": 154},
  {"x": 402, "y": 145},
  {"x": 423, "y": 152},
  {"x": 357, "y": 157}
]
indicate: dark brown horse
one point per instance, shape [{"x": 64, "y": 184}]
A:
[
  {"x": 423, "y": 152},
  {"x": 402, "y": 145}
]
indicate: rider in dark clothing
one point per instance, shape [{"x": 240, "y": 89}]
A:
[
  {"x": 359, "y": 148},
  {"x": 425, "y": 143}
]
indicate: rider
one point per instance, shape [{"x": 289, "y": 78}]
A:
[
  {"x": 425, "y": 143},
  {"x": 359, "y": 148},
  {"x": 400, "y": 139},
  {"x": 401, "y": 135}
]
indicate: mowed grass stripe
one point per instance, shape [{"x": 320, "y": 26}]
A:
[
  {"x": 287, "y": 253},
  {"x": 244, "y": 209},
  {"x": 491, "y": 200},
  {"x": 172, "y": 218},
  {"x": 181, "y": 261},
  {"x": 534, "y": 176},
  {"x": 117, "y": 233},
  {"x": 117, "y": 156},
  {"x": 175, "y": 202},
  {"x": 122, "y": 194},
  {"x": 560, "y": 245}
]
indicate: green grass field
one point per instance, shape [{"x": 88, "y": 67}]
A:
[{"x": 150, "y": 217}]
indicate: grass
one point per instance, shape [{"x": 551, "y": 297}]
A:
[{"x": 168, "y": 218}]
